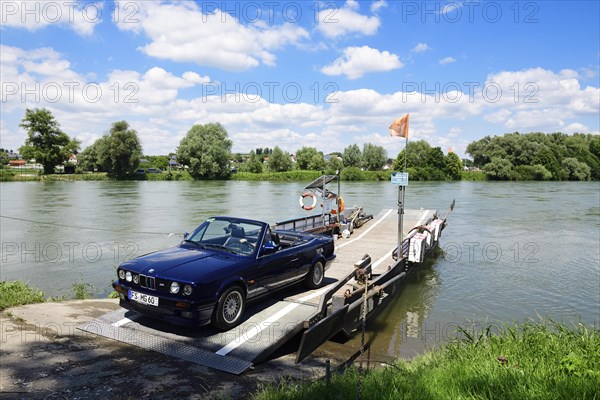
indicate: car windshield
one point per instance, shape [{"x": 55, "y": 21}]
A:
[{"x": 231, "y": 235}]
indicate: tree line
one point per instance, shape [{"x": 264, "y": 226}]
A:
[
  {"x": 206, "y": 151},
  {"x": 538, "y": 156}
]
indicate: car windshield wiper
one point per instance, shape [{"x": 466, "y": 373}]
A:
[
  {"x": 219, "y": 246},
  {"x": 193, "y": 242}
]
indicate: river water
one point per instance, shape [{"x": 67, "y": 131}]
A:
[{"x": 512, "y": 251}]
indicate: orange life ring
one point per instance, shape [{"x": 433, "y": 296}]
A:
[{"x": 312, "y": 205}]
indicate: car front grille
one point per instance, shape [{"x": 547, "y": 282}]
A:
[{"x": 148, "y": 282}]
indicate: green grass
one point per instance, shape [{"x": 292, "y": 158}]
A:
[
  {"x": 473, "y": 176},
  {"x": 16, "y": 293},
  {"x": 525, "y": 361},
  {"x": 82, "y": 290},
  {"x": 288, "y": 176}
]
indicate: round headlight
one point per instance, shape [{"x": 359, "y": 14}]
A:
[
  {"x": 128, "y": 276},
  {"x": 187, "y": 290},
  {"x": 174, "y": 287},
  {"x": 136, "y": 278},
  {"x": 121, "y": 274}
]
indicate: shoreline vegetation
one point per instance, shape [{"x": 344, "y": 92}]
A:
[
  {"x": 530, "y": 360},
  {"x": 16, "y": 175},
  {"x": 543, "y": 359},
  {"x": 205, "y": 154}
]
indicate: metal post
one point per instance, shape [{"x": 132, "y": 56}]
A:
[
  {"x": 400, "y": 219},
  {"x": 327, "y": 371}
]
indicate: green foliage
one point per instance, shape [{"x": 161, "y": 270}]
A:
[
  {"x": 253, "y": 164},
  {"x": 417, "y": 153},
  {"x": 546, "y": 150},
  {"x": 532, "y": 173},
  {"x": 351, "y": 174},
  {"x": 352, "y": 156},
  {"x": 453, "y": 166},
  {"x": 45, "y": 141},
  {"x": 435, "y": 159},
  {"x": 113, "y": 295},
  {"x": 334, "y": 164},
  {"x": 473, "y": 176},
  {"x": 16, "y": 293},
  {"x": 576, "y": 170},
  {"x": 308, "y": 158},
  {"x": 526, "y": 361},
  {"x": 279, "y": 161},
  {"x": 119, "y": 152},
  {"x": 287, "y": 176},
  {"x": 82, "y": 290},
  {"x": 499, "y": 169},
  {"x": 373, "y": 157},
  {"x": 206, "y": 149}
]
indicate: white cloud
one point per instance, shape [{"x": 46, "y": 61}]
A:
[
  {"x": 377, "y": 5},
  {"x": 421, "y": 48},
  {"x": 33, "y": 15},
  {"x": 447, "y": 60},
  {"x": 182, "y": 32},
  {"x": 450, "y": 7},
  {"x": 576, "y": 127},
  {"x": 357, "y": 61},
  {"x": 162, "y": 113},
  {"x": 335, "y": 22}
]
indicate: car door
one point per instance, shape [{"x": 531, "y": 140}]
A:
[{"x": 274, "y": 267}]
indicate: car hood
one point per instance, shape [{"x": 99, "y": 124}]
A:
[{"x": 183, "y": 263}]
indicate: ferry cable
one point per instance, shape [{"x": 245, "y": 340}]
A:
[{"x": 88, "y": 228}]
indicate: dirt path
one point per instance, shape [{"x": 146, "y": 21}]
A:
[{"x": 43, "y": 356}]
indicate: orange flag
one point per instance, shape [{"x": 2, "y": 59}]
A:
[{"x": 400, "y": 127}]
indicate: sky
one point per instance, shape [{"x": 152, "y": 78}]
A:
[{"x": 302, "y": 73}]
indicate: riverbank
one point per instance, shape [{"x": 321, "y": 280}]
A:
[
  {"x": 44, "y": 356},
  {"x": 347, "y": 174},
  {"x": 523, "y": 361}
]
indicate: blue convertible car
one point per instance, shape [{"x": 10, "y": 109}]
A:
[{"x": 216, "y": 270}]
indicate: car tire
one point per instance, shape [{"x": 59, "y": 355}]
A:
[
  {"x": 229, "y": 309},
  {"x": 315, "y": 276}
]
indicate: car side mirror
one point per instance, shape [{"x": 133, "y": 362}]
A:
[
  {"x": 185, "y": 235},
  {"x": 269, "y": 248}
]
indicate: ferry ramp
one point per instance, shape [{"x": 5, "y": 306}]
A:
[{"x": 268, "y": 325}]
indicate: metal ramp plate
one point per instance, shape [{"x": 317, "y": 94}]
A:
[{"x": 267, "y": 326}]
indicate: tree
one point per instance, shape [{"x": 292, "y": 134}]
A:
[
  {"x": 119, "y": 153},
  {"x": 45, "y": 141},
  {"x": 352, "y": 156},
  {"x": 576, "y": 170},
  {"x": 435, "y": 159},
  {"x": 453, "y": 166},
  {"x": 89, "y": 158},
  {"x": 373, "y": 157},
  {"x": 206, "y": 149},
  {"x": 334, "y": 164},
  {"x": 317, "y": 162},
  {"x": 417, "y": 153},
  {"x": 253, "y": 163},
  {"x": 499, "y": 169},
  {"x": 280, "y": 161},
  {"x": 304, "y": 157}
]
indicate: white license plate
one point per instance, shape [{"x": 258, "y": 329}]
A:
[{"x": 143, "y": 298}]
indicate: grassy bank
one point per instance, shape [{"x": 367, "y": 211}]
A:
[
  {"x": 525, "y": 361},
  {"x": 17, "y": 293}
]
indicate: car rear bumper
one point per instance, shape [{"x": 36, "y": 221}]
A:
[{"x": 178, "y": 312}]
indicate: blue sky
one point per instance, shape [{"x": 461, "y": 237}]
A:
[{"x": 293, "y": 74}]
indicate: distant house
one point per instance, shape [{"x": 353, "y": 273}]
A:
[
  {"x": 173, "y": 163},
  {"x": 73, "y": 159},
  {"x": 17, "y": 163}
]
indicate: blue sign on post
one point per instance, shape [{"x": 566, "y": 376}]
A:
[{"x": 400, "y": 178}]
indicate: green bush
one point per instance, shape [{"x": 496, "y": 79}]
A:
[
  {"x": 16, "y": 293},
  {"x": 351, "y": 174}
]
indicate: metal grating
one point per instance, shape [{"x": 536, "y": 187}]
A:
[{"x": 232, "y": 365}]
